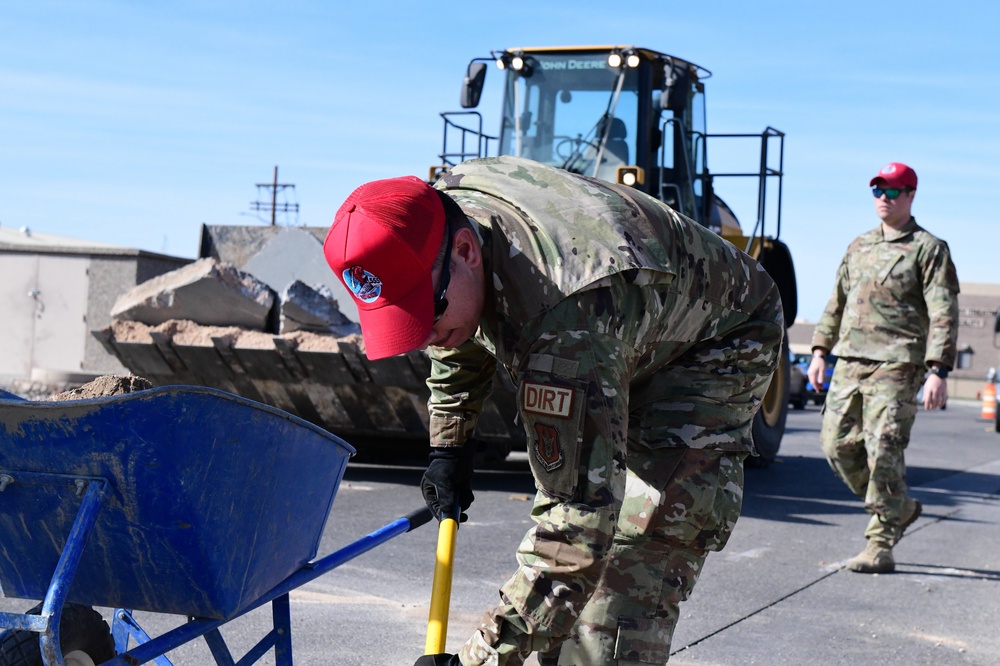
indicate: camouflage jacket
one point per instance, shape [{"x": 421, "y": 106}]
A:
[
  {"x": 582, "y": 280},
  {"x": 896, "y": 299}
]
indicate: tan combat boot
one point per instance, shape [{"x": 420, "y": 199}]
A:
[{"x": 875, "y": 558}]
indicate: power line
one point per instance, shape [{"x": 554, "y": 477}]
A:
[{"x": 274, "y": 206}]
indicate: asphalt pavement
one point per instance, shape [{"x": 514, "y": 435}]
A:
[{"x": 778, "y": 593}]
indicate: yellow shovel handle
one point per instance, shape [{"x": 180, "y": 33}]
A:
[{"x": 437, "y": 623}]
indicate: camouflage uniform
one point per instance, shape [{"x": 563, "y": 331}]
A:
[
  {"x": 894, "y": 310},
  {"x": 641, "y": 345}
]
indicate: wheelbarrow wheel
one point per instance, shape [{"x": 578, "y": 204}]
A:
[{"x": 84, "y": 637}]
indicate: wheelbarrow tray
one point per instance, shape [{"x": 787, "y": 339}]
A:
[{"x": 211, "y": 500}]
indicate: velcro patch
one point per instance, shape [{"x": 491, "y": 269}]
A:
[{"x": 548, "y": 400}]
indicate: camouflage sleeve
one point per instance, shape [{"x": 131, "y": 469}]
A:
[
  {"x": 573, "y": 393},
  {"x": 941, "y": 289},
  {"x": 827, "y": 331},
  {"x": 460, "y": 382}
]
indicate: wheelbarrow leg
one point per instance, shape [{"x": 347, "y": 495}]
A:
[
  {"x": 281, "y": 612},
  {"x": 219, "y": 648},
  {"x": 279, "y": 638}
]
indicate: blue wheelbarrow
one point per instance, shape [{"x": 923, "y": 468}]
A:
[{"x": 180, "y": 500}]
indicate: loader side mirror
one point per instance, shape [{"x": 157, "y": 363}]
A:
[{"x": 472, "y": 86}]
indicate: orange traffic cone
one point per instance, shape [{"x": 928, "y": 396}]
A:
[{"x": 989, "y": 402}]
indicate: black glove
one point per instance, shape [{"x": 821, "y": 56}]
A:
[
  {"x": 438, "y": 660},
  {"x": 447, "y": 483}
]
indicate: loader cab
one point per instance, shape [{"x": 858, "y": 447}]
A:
[{"x": 620, "y": 114}]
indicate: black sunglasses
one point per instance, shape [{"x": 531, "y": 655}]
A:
[
  {"x": 440, "y": 302},
  {"x": 890, "y": 192}
]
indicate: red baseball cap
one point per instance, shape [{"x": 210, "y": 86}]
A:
[
  {"x": 896, "y": 174},
  {"x": 382, "y": 245}
]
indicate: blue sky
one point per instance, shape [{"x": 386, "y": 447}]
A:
[{"x": 135, "y": 122}]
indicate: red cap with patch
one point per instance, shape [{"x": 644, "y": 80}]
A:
[
  {"x": 382, "y": 245},
  {"x": 896, "y": 174}
]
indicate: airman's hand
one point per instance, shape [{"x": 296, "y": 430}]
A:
[
  {"x": 935, "y": 392},
  {"x": 447, "y": 483},
  {"x": 817, "y": 372}
]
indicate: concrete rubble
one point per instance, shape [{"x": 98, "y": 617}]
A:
[
  {"x": 304, "y": 308},
  {"x": 207, "y": 291}
]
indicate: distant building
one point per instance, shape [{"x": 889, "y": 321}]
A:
[
  {"x": 978, "y": 305},
  {"x": 53, "y": 292}
]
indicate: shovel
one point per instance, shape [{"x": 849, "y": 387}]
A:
[{"x": 437, "y": 622}]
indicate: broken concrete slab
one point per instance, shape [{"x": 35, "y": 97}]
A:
[
  {"x": 297, "y": 254},
  {"x": 308, "y": 308},
  {"x": 208, "y": 291}
]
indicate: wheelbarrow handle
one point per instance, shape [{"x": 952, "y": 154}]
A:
[
  {"x": 437, "y": 623},
  {"x": 419, "y": 518}
]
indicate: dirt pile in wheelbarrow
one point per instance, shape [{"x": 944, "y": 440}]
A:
[{"x": 101, "y": 387}]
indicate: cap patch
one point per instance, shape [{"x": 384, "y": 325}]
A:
[
  {"x": 365, "y": 286},
  {"x": 888, "y": 169}
]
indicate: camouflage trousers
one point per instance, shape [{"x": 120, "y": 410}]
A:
[
  {"x": 867, "y": 418},
  {"x": 679, "y": 505},
  {"x": 656, "y": 560}
]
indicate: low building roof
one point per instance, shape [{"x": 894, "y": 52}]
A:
[{"x": 25, "y": 240}]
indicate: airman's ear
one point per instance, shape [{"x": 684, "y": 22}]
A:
[{"x": 467, "y": 247}]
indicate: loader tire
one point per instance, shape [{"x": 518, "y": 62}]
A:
[
  {"x": 769, "y": 424},
  {"x": 84, "y": 637}
]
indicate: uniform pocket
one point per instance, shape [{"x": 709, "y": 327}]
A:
[
  {"x": 644, "y": 640},
  {"x": 887, "y": 271},
  {"x": 553, "y": 422}
]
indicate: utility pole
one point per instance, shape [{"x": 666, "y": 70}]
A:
[{"x": 274, "y": 207}]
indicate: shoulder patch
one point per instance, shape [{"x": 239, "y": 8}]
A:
[
  {"x": 547, "y": 448},
  {"x": 547, "y": 400}
]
